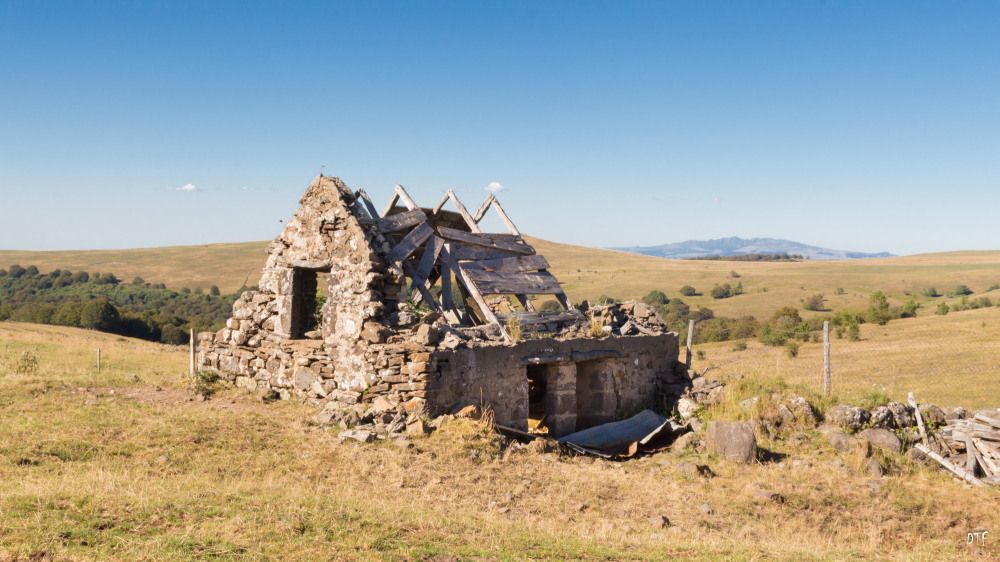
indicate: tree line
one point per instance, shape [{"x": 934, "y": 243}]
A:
[{"x": 101, "y": 301}]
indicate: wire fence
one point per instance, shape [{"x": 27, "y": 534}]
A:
[{"x": 958, "y": 366}]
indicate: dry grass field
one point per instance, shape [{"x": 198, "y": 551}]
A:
[
  {"x": 588, "y": 273},
  {"x": 122, "y": 465},
  {"x": 951, "y": 360}
]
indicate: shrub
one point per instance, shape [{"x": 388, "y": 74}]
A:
[
  {"x": 993, "y": 287},
  {"x": 740, "y": 346},
  {"x": 962, "y": 290},
  {"x": 655, "y": 297},
  {"x": 604, "y": 299},
  {"x": 734, "y": 275},
  {"x": 550, "y": 306},
  {"x": 931, "y": 292},
  {"x": 814, "y": 302},
  {"x": 722, "y": 291},
  {"x": 839, "y": 291},
  {"x": 770, "y": 336},
  {"x": 942, "y": 309},
  {"x": 792, "y": 348},
  {"x": 878, "y": 309},
  {"x": 909, "y": 309},
  {"x": 688, "y": 291},
  {"x": 853, "y": 332}
]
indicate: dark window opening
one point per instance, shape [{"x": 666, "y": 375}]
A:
[
  {"x": 537, "y": 387},
  {"x": 308, "y": 298}
]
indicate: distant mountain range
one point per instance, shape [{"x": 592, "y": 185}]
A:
[{"x": 735, "y": 246}]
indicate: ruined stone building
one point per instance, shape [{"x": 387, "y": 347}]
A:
[{"x": 418, "y": 307}]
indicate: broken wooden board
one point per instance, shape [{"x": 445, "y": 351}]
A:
[
  {"x": 530, "y": 318},
  {"x": 506, "y": 242},
  {"x": 399, "y": 221},
  {"x": 492, "y": 283},
  {"x": 410, "y": 242},
  {"x": 427, "y": 261},
  {"x": 519, "y": 264},
  {"x": 461, "y": 252}
]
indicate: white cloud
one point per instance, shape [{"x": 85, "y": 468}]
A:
[
  {"x": 185, "y": 187},
  {"x": 248, "y": 188},
  {"x": 716, "y": 199},
  {"x": 494, "y": 187}
]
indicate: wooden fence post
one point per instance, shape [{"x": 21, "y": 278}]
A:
[
  {"x": 194, "y": 350},
  {"x": 98, "y": 359},
  {"x": 826, "y": 357},
  {"x": 690, "y": 338}
]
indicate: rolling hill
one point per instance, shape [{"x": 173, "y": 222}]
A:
[
  {"x": 588, "y": 273},
  {"x": 735, "y": 246}
]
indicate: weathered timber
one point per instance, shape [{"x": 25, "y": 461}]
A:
[
  {"x": 916, "y": 414},
  {"x": 424, "y": 289},
  {"x": 481, "y": 212},
  {"x": 367, "y": 202},
  {"x": 405, "y": 198},
  {"x": 427, "y": 261},
  {"x": 473, "y": 225},
  {"x": 505, "y": 218},
  {"x": 471, "y": 289},
  {"x": 463, "y": 253},
  {"x": 399, "y": 221},
  {"x": 410, "y": 242},
  {"x": 988, "y": 420},
  {"x": 492, "y": 283},
  {"x": 440, "y": 205},
  {"x": 529, "y": 318},
  {"x": 507, "y": 242},
  {"x": 518, "y": 264},
  {"x": 971, "y": 479}
]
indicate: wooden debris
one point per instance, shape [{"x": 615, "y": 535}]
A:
[{"x": 978, "y": 438}]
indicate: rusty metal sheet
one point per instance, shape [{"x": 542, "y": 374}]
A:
[{"x": 645, "y": 432}]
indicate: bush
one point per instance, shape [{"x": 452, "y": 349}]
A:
[
  {"x": 853, "y": 332},
  {"x": 604, "y": 299},
  {"x": 721, "y": 291},
  {"x": 814, "y": 302},
  {"x": 839, "y": 291},
  {"x": 655, "y": 297},
  {"x": 878, "y": 310},
  {"x": 740, "y": 346},
  {"x": 688, "y": 291},
  {"x": 550, "y": 306},
  {"x": 993, "y": 287},
  {"x": 942, "y": 309},
  {"x": 792, "y": 349},
  {"x": 931, "y": 292},
  {"x": 961, "y": 290},
  {"x": 770, "y": 336}
]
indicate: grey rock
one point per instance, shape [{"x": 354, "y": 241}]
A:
[
  {"x": 881, "y": 417},
  {"x": 902, "y": 415},
  {"x": 932, "y": 414},
  {"x": 955, "y": 413},
  {"x": 659, "y": 521},
  {"x": 873, "y": 469},
  {"x": 849, "y": 444},
  {"x": 803, "y": 411},
  {"x": 734, "y": 441},
  {"x": 707, "y": 509},
  {"x": 847, "y": 416},
  {"x": 768, "y": 496},
  {"x": 749, "y": 403},
  {"x": 687, "y": 441},
  {"x": 361, "y": 435},
  {"x": 882, "y": 438}
]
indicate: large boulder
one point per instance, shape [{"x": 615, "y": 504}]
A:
[
  {"x": 882, "y": 438},
  {"x": 732, "y": 440},
  {"x": 849, "y": 417},
  {"x": 849, "y": 444},
  {"x": 902, "y": 415},
  {"x": 802, "y": 410},
  {"x": 881, "y": 417},
  {"x": 932, "y": 414}
]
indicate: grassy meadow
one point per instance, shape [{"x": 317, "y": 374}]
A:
[
  {"x": 588, "y": 273},
  {"x": 122, "y": 464}
]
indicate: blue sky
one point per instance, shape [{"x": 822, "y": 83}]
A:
[{"x": 864, "y": 126}]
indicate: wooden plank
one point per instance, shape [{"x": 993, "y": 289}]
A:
[
  {"x": 392, "y": 203},
  {"x": 367, "y": 202},
  {"x": 988, "y": 421},
  {"x": 505, "y": 218},
  {"x": 970, "y": 456},
  {"x": 971, "y": 479},
  {"x": 423, "y": 289},
  {"x": 491, "y": 283},
  {"x": 405, "y": 198},
  {"x": 427, "y": 261},
  {"x": 506, "y": 242},
  {"x": 464, "y": 212},
  {"x": 916, "y": 414},
  {"x": 518, "y": 264},
  {"x": 462, "y": 252},
  {"x": 440, "y": 205},
  {"x": 399, "y": 221},
  {"x": 481, "y": 212},
  {"x": 446, "y": 297},
  {"x": 525, "y": 303},
  {"x": 410, "y": 242},
  {"x": 463, "y": 279},
  {"x": 528, "y": 318},
  {"x": 985, "y": 459}
]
